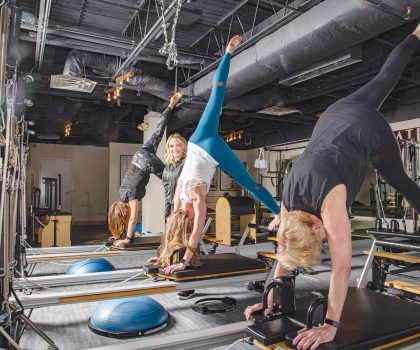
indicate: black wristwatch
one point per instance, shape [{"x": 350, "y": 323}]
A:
[
  {"x": 183, "y": 261},
  {"x": 333, "y": 323}
]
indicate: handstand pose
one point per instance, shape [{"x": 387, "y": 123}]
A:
[
  {"x": 206, "y": 151},
  {"x": 123, "y": 214},
  {"x": 324, "y": 182}
]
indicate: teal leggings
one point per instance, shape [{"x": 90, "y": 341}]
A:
[{"x": 207, "y": 137}]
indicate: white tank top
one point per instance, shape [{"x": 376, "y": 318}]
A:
[{"x": 199, "y": 166}]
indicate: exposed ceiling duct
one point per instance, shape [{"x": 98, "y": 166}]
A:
[
  {"x": 341, "y": 60},
  {"x": 323, "y": 31},
  {"x": 96, "y": 42},
  {"x": 43, "y": 18},
  {"x": 77, "y": 61}
]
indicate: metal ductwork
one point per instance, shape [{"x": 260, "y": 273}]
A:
[
  {"x": 324, "y": 30},
  {"x": 76, "y": 62}
]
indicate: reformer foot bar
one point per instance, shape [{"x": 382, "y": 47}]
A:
[
  {"x": 216, "y": 270},
  {"x": 32, "y": 259},
  {"x": 64, "y": 250},
  {"x": 86, "y": 278}
]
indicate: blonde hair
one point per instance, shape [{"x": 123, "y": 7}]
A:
[
  {"x": 178, "y": 231},
  {"x": 118, "y": 217},
  {"x": 169, "y": 158},
  {"x": 298, "y": 245}
]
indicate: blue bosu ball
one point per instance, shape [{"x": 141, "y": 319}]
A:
[
  {"x": 89, "y": 266},
  {"x": 128, "y": 317}
]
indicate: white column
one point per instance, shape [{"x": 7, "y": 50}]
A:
[{"x": 153, "y": 204}]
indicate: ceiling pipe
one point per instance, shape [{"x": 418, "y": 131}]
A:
[
  {"x": 4, "y": 16},
  {"x": 148, "y": 37},
  {"x": 149, "y": 55},
  {"x": 113, "y": 45},
  {"x": 265, "y": 28},
  {"x": 13, "y": 57},
  {"x": 322, "y": 31},
  {"x": 77, "y": 60},
  {"x": 43, "y": 18}
]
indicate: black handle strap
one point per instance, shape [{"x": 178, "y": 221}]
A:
[{"x": 202, "y": 306}]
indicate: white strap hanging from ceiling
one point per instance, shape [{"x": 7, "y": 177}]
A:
[
  {"x": 260, "y": 162},
  {"x": 169, "y": 47}
]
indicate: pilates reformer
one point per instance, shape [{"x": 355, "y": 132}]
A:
[
  {"x": 367, "y": 327},
  {"x": 145, "y": 245},
  {"x": 216, "y": 270},
  {"x": 369, "y": 320},
  {"x": 139, "y": 246},
  {"x": 148, "y": 243},
  {"x": 398, "y": 250}
]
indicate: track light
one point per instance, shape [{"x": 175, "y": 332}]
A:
[
  {"x": 233, "y": 136},
  {"x": 67, "y": 129}
]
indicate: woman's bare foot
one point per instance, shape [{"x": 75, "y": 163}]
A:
[
  {"x": 175, "y": 99},
  {"x": 275, "y": 223},
  {"x": 233, "y": 43},
  {"x": 417, "y": 31}
]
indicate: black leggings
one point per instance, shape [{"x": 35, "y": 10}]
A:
[
  {"x": 386, "y": 154},
  {"x": 145, "y": 158}
]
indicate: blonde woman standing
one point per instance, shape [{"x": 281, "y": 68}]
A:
[{"x": 176, "y": 150}]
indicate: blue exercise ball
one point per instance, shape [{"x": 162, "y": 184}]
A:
[
  {"x": 89, "y": 266},
  {"x": 128, "y": 317}
]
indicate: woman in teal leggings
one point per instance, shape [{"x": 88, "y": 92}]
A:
[{"x": 206, "y": 151}]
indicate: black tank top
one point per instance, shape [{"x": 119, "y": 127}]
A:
[
  {"x": 337, "y": 153},
  {"x": 347, "y": 136}
]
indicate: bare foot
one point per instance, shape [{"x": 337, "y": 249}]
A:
[
  {"x": 417, "y": 31},
  {"x": 233, "y": 43},
  {"x": 275, "y": 223},
  {"x": 175, "y": 98}
]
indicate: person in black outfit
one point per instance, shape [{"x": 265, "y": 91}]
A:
[
  {"x": 123, "y": 214},
  {"x": 325, "y": 180}
]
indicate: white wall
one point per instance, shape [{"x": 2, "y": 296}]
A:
[
  {"x": 89, "y": 176},
  {"x": 115, "y": 151},
  {"x": 153, "y": 203}
]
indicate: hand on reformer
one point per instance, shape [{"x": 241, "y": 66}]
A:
[
  {"x": 120, "y": 242},
  {"x": 155, "y": 260},
  {"x": 311, "y": 339},
  {"x": 175, "y": 99},
  {"x": 257, "y": 307},
  {"x": 169, "y": 270}
]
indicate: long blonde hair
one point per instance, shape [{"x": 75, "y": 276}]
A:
[
  {"x": 178, "y": 231},
  {"x": 298, "y": 245},
  {"x": 169, "y": 158},
  {"x": 118, "y": 217}
]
